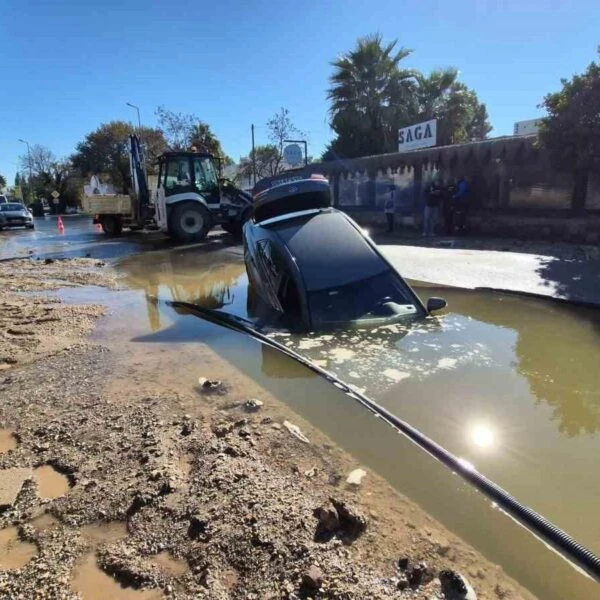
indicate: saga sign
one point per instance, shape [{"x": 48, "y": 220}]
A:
[{"x": 421, "y": 135}]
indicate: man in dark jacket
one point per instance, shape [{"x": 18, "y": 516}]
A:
[
  {"x": 433, "y": 201},
  {"x": 461, "y": 204}
]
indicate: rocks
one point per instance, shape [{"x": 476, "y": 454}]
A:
[
  {"x": 312, "y": 580},
  {"x": 403, "y": 563},
  {"x": 356, "y": 477},
  {"x": 198, "y": 528},
  {"x": 419, "y": 575},
  {"x": 345, "y": 522},
  {"x": 295, "y": 431},
  {"x": 253, "y": 405},
  {"x": 210, "y": 385},
  {"x": 455, "y": 586}
]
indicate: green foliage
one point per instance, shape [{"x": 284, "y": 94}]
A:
[
  {"x": 48, "y": 174},
  {"x": 269, "y": 158},
  {"x": 268, "y": 162},
  {"x": 571, "y": 131},
  {"x": 372, "y": 96},
  {"x": 183, "y": 131},
  {"x": 106, "y": 151},
  {"x": 2, "y": 182},
  {"x": 369, "y": 94}
]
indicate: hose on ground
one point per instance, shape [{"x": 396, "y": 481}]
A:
[{"x": 559, "y": 539}]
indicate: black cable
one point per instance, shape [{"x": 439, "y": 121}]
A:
[{"x": 559, "y": 539}]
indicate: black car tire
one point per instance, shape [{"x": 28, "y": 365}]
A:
[
  {"x": 189, "y": 222},
  {"x": 30, "y": 226},
  {"x": 111, "y": 225}
]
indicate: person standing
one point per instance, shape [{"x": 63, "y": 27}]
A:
[
  {"x": 461, "y": 204},
  {"x": 389, "y": 208},
  {"x": 448, "y": 208},
  {"x": 432, "y": 207}
]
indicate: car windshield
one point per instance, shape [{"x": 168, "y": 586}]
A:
[
  {"x": 360, "y": 300},
  {"x": 11, "y": 206}
]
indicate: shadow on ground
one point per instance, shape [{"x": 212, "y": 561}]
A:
[{"x": 575, "y": 280}]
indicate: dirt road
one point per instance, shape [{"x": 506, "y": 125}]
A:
[{"x": 120, "y": 466}]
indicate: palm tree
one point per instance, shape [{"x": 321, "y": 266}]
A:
[
  {"x": 369, "y": 93},
  {"x": 461, "y": 117}
]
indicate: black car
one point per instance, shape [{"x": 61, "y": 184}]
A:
[
  {"x": 15, "y": 215},
  {"x": 316, "y": 268}
]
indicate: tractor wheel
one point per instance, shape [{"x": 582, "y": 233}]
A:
[
  {"x": 189, "y": 222},
  {"x": 235, "y": 228},
  {"x": 111, "y": 225}
]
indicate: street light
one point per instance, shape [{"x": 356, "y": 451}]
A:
[
  {"x": 139, "y": 133},
  {"x": 29, "y": 160}
]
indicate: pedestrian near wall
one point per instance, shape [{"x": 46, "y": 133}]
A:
[
  {"x": 448, "y": 208},
  {"x": 389, "y": 209},
  {"x": 461, "y": 205},
  {"x": 433, "y": 202}
]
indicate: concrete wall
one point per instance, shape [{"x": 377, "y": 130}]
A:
[{"x": 514, "y": 189}]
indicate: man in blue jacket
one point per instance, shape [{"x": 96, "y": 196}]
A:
[{"x": 461, "y": 204}]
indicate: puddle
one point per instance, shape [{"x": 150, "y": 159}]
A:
[
  {"x": 94, "y": 584},
  {"x": 51, "y": 484},
  {"x": 14, "y": 552},
  {"x": 100, "y": 533},
  {"x": 169, "y": 564},
  {"x": 8, "y": 441},
  {"x": 44, "y": 522},
  {"x": 509, "y": 383}
]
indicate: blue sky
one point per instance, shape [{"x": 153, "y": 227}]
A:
[{"x": 67, "y": 66}]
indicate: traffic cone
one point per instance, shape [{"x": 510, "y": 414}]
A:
[{"x": 60, "y": 225}]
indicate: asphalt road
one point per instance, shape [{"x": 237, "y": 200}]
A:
[
  {"x": 567, "y": 279},
  {"x": 546, "y": 275}
]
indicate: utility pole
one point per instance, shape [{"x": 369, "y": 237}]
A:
[
  {"x": 139, "y": 134},
  {"x": 29, "y": 187},
  {"x": 253, "y": 155}
]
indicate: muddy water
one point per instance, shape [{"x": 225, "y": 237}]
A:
[
  {"x": 51, "y": 483},
  {"x": 169, "y": 564},
  {"x": 510, "y": 384},
  {"x": 14, "y": 552},
  {"x": 8, "y": 441},
  {"x": 94, "y": 584}
]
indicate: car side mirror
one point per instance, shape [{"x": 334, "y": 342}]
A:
[{"x": 434, "y": 304}]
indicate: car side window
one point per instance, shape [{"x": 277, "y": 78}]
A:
[{"x": 281, "y": 282}]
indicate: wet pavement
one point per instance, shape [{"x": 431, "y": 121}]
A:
[
  {"x": 81, "y": 238},
  {"x": 507, "y": 383},
  {"x": 510, "y": 384}
]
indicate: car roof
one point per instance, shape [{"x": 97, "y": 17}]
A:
[{"x": 328, "y": 249}]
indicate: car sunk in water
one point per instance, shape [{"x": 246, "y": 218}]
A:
[
  {"x": 316, "y": 268},
  {"x": 15, "y": 215}
]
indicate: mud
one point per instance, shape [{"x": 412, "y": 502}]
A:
[
  {"x": 174, "y": 491},
  {"x": 42, "y": 326}
]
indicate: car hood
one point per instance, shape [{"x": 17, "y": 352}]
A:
[{"x": 15, "y": 213}]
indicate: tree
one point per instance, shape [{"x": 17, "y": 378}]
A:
[
  {"x": 106, "y": 151},
  {"x": 48, "y": 174},
  {"x": 369, "y": 94},
  {"x": 282, "y": 128},
  {"x": 269, "y": 158},
  {"x": 461, "y": 117},
  {"x": 183, "y": 131},
  {"x": 571, "y": 131},
  {"x": 268, "y": 162},
  {"x": 372, "y": 95},
  {"x": 2, "y": 182}
]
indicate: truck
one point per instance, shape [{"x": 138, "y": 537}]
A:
[{"x": 190, "y": 198}]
